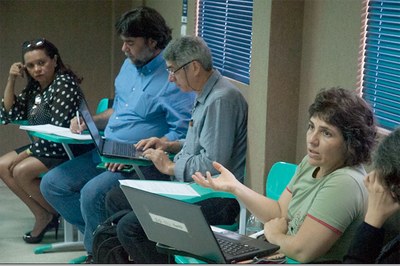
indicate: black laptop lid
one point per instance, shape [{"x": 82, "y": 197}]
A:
[
  {"x": 92, "y": 128},
  {"x": 188, "y": 231},
  {"x": 183, "y": 226}
]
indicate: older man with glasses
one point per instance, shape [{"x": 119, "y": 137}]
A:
[{"x": 217, "y": 132}]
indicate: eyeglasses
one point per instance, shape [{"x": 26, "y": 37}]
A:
[
  {"x": 33, "y": 43},
  {"x": 173, "y": 72}
]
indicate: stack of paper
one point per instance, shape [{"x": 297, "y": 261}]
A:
[
  {"x": 162, "y": 187},
  {"x": 56, "y": 130}
]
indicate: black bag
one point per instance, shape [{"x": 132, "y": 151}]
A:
[{"x": 106, "y": 247}]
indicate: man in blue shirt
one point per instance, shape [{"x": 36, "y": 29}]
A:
[
  {"x": 217, "y": 132},
  {"x": 145, "y": 105}
]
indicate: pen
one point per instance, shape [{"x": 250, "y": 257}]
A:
[{"x": 79, "y": 121}]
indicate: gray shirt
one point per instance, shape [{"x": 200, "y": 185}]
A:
[{"x": 217, "y": 131}]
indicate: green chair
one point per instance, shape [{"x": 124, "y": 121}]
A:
[
  {"x": 104, "y": 104},
  {"x": 278, "y": 178}
]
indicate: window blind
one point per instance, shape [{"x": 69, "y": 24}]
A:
[
  {"x": 381, "y": 68},
  {"x": 226, "y": 26}
]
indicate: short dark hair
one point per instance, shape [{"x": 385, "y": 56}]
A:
[
  {"x": 144, "y": 22},
  {"x": 386, "y": 162},
  {"x": 347, "y": 111}
]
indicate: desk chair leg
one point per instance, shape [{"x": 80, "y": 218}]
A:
[
  {"x": 81, "y": 259},
  {"x": 78, "y": 260},
  {"x": 68, "y": 245},
  {"x": 68, "y": 151},
  {"x": 138, "y": 172},
  {"x": 64, "y": 246},
  {"x": 242, "y": 218},
  {"x": 68, "y": 232},
  {"x": 80, "y": 236}
]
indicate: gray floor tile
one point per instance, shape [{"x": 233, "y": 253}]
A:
[{"x": 15, "y": 220}]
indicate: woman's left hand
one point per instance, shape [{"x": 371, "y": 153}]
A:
[
  {"x": 160, "y": 160},
  {"x": 275, "y": 227}
]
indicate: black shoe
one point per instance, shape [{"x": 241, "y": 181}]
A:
[
  {"x": 89, "y": 259},
  {"x": 54, "y": 223}
]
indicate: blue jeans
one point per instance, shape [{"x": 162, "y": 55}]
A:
[{"x": 77, "y": 190}]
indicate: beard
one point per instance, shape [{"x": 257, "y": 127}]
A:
[{"x": 145, "y": 56}]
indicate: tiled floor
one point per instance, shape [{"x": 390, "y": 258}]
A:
[{"x": 15, "y": 220}]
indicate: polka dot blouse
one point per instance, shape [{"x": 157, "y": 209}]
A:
[{"x": 56, "y": 105}]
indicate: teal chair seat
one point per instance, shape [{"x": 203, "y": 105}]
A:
[{"x": 278, "y": 178}]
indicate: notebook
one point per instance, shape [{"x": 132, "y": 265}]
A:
[
  {"x": 106, "y": 147},
  {"x": 183, "y": 226}
]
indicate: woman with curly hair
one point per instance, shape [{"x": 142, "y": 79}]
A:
[{"x": 318, "y": 212}]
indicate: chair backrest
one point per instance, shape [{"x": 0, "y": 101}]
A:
[
  {"x": 278, "y": 177},
  {"x": 103, "y": 105}
]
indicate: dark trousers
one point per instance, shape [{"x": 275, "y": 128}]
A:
[{"x": 133, "y": 238}]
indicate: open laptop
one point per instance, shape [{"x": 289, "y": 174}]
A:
[
  {"x": 106, "y": 147},
  {"x": 182, "y": 225}
]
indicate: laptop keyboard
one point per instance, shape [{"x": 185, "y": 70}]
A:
[
  {"x": 123, "y": 149},
  {"x": 235, "y": 249}
]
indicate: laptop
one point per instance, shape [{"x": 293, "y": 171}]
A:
[
  {"x": 106, "y": 147},
  {"x": 182, "y": 225}
]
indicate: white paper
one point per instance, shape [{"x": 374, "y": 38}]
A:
[
  {"x": 257, "y": 234},
  {"x": 162, "y": 187},
  {"x": 56, "y": 130}
]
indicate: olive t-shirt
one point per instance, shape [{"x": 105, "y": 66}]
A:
[{"x": 337, "y": 201}]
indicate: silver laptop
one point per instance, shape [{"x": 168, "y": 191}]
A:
[
  {"x": 106, "y": 147},
  {"x": 182, "y": 225}
]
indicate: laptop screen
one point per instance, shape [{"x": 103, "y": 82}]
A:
[{"x": 87, "y": 117}]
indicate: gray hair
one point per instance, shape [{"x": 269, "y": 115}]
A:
[
  {"x": 189, "y": 48},
  {"x": 387, "y": 163}
]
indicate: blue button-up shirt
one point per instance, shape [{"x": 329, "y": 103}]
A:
[{"x": 147, "y": 105}]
